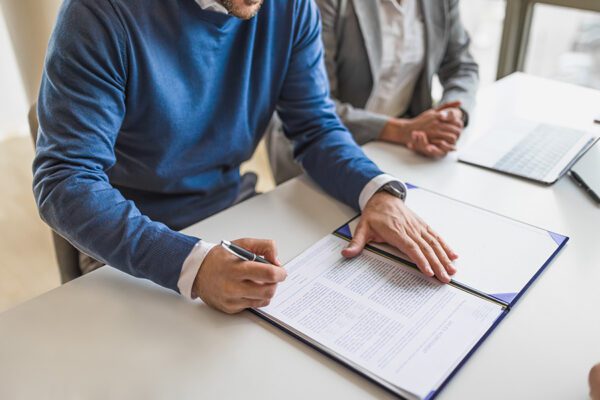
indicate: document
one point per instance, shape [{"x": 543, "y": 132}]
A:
[
  {"x": 384, "y": 319},
  {"x": 378, "y": 315},
  {"x": 497, "y": 255}
]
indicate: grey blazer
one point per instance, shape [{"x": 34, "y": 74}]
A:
[{"x": 353, "y": 53}]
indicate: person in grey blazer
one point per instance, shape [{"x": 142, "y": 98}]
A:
[{"x": 381, "y": 57}]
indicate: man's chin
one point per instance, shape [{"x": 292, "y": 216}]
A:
[{"x": 247, "y": 10}]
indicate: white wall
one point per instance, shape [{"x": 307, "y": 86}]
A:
[
  {"x": 29, "y": 24},
  {"x": 13, "y": 104},
  {"x": 25, "y": 27}
]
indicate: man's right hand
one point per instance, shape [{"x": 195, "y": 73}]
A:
[{"x": 231, "y": 285}]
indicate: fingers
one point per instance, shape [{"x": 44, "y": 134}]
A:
[
  {"x": 442, "y": 256},
  {"x": 451, "y": 116},
  {"x": 255, "y": 303},
  {"x": 247, "y": 294},
  {"x": 432, "y": 259},
  {"x": 448, "y": 128},
  {"x": 433, "y": 151},
  {"x": 443, "y": 145},
  {"x": 448, "y": 137},
  {"x": 438, "y": 254},
  {"x": 263, "y": 247},
  {"x": 447, "y": 249},
  {"x": 239, "y": 305},
  {"x": 259, "y": 272},
  {"x": 413, "y": 251},
  {"x": 421, "y": 145},
  {"x": 358, "y": 242},
  {"x": 427, "y": 253},
  {"x": 257, "y": 291},
  {"x": 452, "y": 104}
]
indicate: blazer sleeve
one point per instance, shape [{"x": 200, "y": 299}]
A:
[
  {"x": 364, "y": 125},
  {"x": 458, "y": 72}
]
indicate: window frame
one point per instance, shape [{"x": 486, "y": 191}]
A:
[{"x": 517, "y": 29}]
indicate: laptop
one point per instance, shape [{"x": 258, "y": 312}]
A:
[
  {"x": 586, "y": 172},
  {"x": 535, "y": 151}
]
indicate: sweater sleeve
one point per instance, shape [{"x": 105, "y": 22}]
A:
[
  {"x": 81, "y": 109},
  {"x": 322, "y": 144}
]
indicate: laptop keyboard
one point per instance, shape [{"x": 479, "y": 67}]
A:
[{"x": 538, "y": 152}]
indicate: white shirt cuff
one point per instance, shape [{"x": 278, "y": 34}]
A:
[
  {"x": 373, "y": 186},
  {"x": 191, "y": 266}
]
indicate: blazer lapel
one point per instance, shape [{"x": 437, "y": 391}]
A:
[
  {"x": 434, "y": 25},
  {"x": 367, "y": 13},
  {"x": 429, "y": 36}
]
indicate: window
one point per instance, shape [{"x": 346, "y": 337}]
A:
[
  {"x": 483, "y": 19},
  {"x": 564, "y": 44}
]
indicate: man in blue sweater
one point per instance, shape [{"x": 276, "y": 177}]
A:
[{"x": 148, "y": 108}]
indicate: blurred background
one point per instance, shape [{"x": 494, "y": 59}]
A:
[{"x": 557, "y": 39}]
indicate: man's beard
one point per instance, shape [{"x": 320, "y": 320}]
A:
[{"x": 240, "y": 12}]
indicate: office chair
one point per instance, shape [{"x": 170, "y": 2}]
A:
[{"x": 67, "y": 256}]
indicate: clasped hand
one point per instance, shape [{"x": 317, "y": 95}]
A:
[{"x": 433, "y": 133}]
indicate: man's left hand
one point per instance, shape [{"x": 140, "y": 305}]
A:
[{"x": 386, "y": 219}]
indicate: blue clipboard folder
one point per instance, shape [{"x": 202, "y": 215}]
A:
[
  {"x": 346, "y": 308},
  {"x": 498, "y": 256}
]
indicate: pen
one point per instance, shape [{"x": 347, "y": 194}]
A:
[{"x": 242, "y": 253}]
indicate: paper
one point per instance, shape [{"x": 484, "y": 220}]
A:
[
  {"x": 383, "y": 318},
  {"x": 498, "y": 255}
]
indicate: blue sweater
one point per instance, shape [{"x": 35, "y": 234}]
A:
[{"x": 148, "y": 108}]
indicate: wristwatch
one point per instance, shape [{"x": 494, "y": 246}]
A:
[
  {"x": 394, "y": 188},
  {"x": 465, "y": 117}
]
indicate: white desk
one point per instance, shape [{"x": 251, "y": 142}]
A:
[{"x": 108, "y": 335}]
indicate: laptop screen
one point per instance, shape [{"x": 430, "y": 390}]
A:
[{"x": 586, "y": 172}]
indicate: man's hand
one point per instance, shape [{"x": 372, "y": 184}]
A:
[
  {"x": 595, "y": 382},
  {"x": 230, "y": 284},
  {"x": 386, "y": 219},
  {"x": 441, "y": 128}
]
